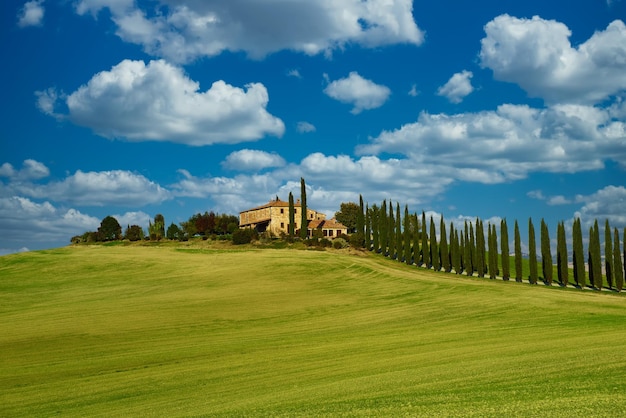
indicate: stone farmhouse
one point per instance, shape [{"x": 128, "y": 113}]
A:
[{"x": 273, "y": 217}]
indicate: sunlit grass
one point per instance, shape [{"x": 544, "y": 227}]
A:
[{"x": 237, "y": 331}]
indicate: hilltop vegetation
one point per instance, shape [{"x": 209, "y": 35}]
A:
[{"x": 221, "y": 330}]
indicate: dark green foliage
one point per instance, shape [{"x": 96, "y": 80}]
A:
[
  {"x": 617, "y": 262},
  {"x": 595, "y": 258},
  {"x": 608, "y": 254},
  {"x": 518, "y": 254},
  {"x": 110, "y": 229},
  {"x": 368, "y": 228},
  {"x": 493, "y": 251},
  {"x": 407, "y": 236},
  {"x": 348, "y": 215},
  {"x": 425, "y": 259},
  {"x": 374, "y": 219},
  {"x": 398, "y": 237},
  {"x": 244, "y": 236},
  {"x": 456, "y": 255},
  {"x": 504, "y": 250},
  {"x": 444, "y": 252},
  {"x": 546, "y": 254},
  {"x": 532, "y": 253},
  {"x": 360, "y": 219},
  {"x": 391, "y": 233},
  {"x": 383, "y": 227},
  {"x": 480, "y": 248},
  {"x": 292, "y": 217},
  {"x": 434, "y": 248},
  {"x": 174, "y": 232},
  {"x": 134, "y": 233},
  {"x": 304, "y": 222},
  {"x": 470, "y": 252},
  {"x": 416, "y": 239},
  {"x": 561, "y": 253},
  {"x": 578, "y": 254}
]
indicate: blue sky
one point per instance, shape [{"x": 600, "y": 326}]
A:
[{"x": 132, "y": 108}]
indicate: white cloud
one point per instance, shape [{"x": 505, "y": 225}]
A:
[
  {"x": 31, "y": 14},
  {"x": 537, "y": 54},
  {"x": 363, "y": 94},
  {"x": 159, "y": 102},
  {"x": 183, "y": 30},
  {"x": 252, "y": 160},
  {"x": 558, "y": 200},
  {"x": 23, "y": 220},
  {"x": 294, "y": 73},
  {"x": 305, "y": 127},
  {"x": 457, "y": 87},
  {"x": 133, "y": 218},
  {"x": 607, "y": 203},
  {"x": 414, "y": 92},
  {"x": 31, "y": 170},
  {"x": 507, "y": 144}
]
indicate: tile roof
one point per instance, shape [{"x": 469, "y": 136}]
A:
[{"x": 326, "y": 224}]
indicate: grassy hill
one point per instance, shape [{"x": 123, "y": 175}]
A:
[{"x": 229, "y": 331}]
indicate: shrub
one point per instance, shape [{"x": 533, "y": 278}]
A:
[
  {"x": 244, "y": 236},
  {"x": 325, "y": 242},
  {"x": 339, "y": 243}
]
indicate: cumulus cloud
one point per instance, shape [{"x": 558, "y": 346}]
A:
[
  {"x": 507, "y": 144},
  {"x": 537, "y": 55},
  {"x": 305, "y": 127},
  {"x": 457, "y": 87},
  {"x": 31, "y": 14},
  {"x": 158, "y": 102},
  {"x": 133, "y": 218},
  {"x": 607, "y": 203},
  {"x": 183, "y": 30},
  {"x": 252, "y": 160},
  {"x": 31, "y": 170},
  {"x": 363, "y": 94}
]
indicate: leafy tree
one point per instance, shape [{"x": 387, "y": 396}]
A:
[
  {"x": 348, "y": 215},
  {"x": 608, "y": 254},
  {"x": 532, "y": 252},
  {"x": 174, "y": 232},
  {"x": 617, "y": 262},
  {"x": 407, "y": 232},
  {"x": 444, "y": 252},
  {"x": 434, "y": 247},
  {"x": 518, "y": 254},
  {"x": 546, "y": 253},
  {"x": 159, "y": 222},
  {"x": 562, "y": 267},
  {"x": 110, "y": 229},
  {"x": 425, "y": 250},
  {"x": 578, "y": 254},
  {"x": 189, "y": 229},
  {"x": 292, "y": 217},
  {"x": 504, "y": 250},
  {"x": 134, "y": 233},
  {"x": 304, "y": 222},
  {"x": 368, "y": 228}
]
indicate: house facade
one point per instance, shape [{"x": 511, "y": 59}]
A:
[{"x": 273, "y": 217}]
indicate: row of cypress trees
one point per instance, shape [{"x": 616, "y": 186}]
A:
[{"x": 474, "y": 249}]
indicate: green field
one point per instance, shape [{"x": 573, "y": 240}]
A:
[{"x": 228, "y": 331}]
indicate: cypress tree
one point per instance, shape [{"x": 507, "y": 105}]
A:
[
  {"x": 374, "y": 218},
  {"x": 444, "y": 254},
  {"x": 504, "y": 250},
  {"x": 518, "y": 254},
  {"x": 472, "y": 251},
  {"x": 590, "y": 251},
  {"x": 480, "y": 248},
  {"x": 595, "y": 256},
  {"x": 416, "y": 240},
  {"x": 462, "y": 251},
  {"x": 398, "y": 237},
  {"x": 451, "y": 247},
  {"x": 425, "y": 248},
  {"x": 292, "y": 217},
  {"x": 304, "y": 222},
  {"x": 532, "y": 252},
  {"x": 360, "y": 219},
  {"x": 391, "y": 233},
  {"x": 608, "y": 254},
  {"x": 546, "y": 254},
  {"x": 578, "y": 254},
  {"x": 617, "y": 262},
  {"x": 456, "y": 260},
  {"x": 383, "y": 224},
  {"x": 493, "y": 251},
  {"x": 368, "y": 228},
  {"x": 434, "y": 248},
  {"x": 407, "y": 233},
  {"x": 562, "y": 266}
]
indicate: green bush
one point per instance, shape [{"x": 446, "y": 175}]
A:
[{"x": 244, "y": 236}]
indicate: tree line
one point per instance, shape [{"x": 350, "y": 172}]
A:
[
  {"x": 478, "y": 249},
  {"x": 200, "y": 224}
]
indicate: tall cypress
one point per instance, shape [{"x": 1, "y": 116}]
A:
[
  {"x": 368, "y": 228},
  {"x": 562, "y": 266},
  {"x": 425, "y": 249},
  {"x": 407, "y": 234},
  {"x": 462, "y": 251},
  {"x": 398, "y": 237},
  {"x": 546, "y": 253},
  {"x": 444, "y": 253},
  {"x": 480, "y": 248},
  {"x": 532, "y": 252},
  {"x": 304, "y": 222},
  {"x": 578, "y": 255},
  {"x": 292, "y": 217},
  {"x": 360, "y": 219},
  {"x": 504, "y": 250},
  {"x": 472, "y": 251},
  {"x": 434, "y": 248},
  {"x": 493, "y": 251},
  {"x": 374, "y": 219},
  {"x": 383, "y": 226},
  {"x": 518, "y": 254},
  {"x": 456, "y": 260},
  {"x": 391, "y": 233},
  {"x": 608, "y": 254},
  {"x": 416, "y": 240},
  {"x": 595, "y": 256},
  {"x": 617, "y": 262}
]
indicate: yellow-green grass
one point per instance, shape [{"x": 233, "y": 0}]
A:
[{"x": 176, "y": 331}]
